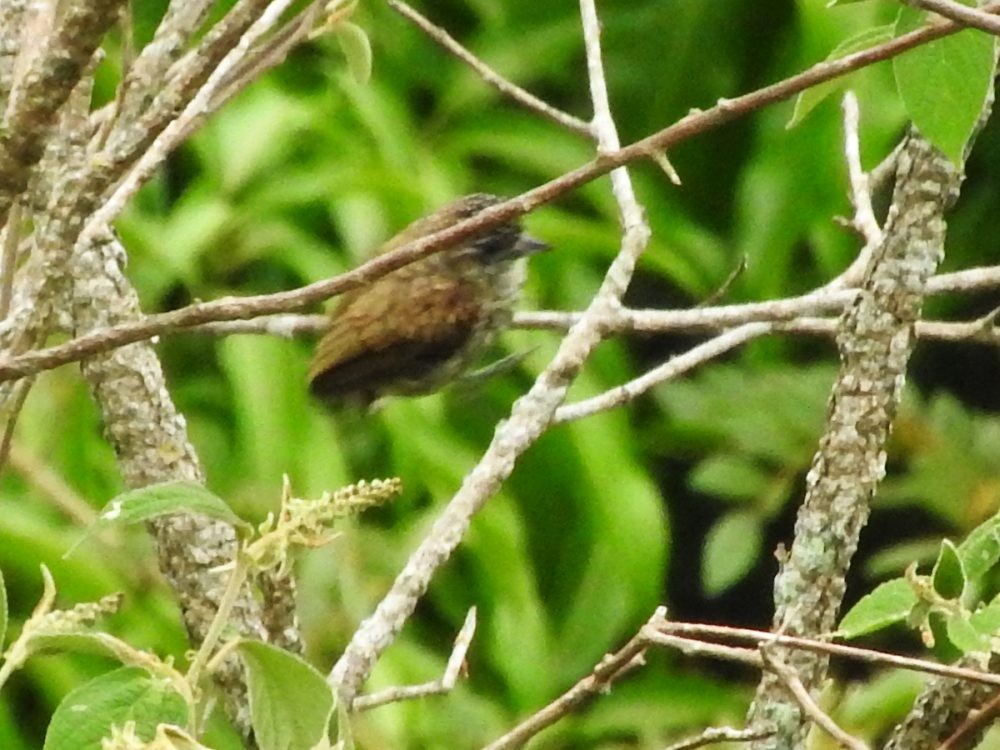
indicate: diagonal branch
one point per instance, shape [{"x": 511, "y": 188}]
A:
[{"x": 959, "y": 13}]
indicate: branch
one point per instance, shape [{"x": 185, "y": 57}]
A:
[
  {"x": 146, "y": 74},
  {"x": 798, "y": 691},
  {"x": 45, "y": 86},
  {"x": 819, "y": 646},
  {"x": 970, "y": 732},
  {"x": 444, "y": 684},
  {"x": 942, "y": 711},
  {"x": 669, "y": 370},
  {"x": 720, "y": 734},
  {"x": 150, "y": 440},
  {"x": 193, "y": 114},
  {"x": 959, "y": 13},
  {"x": 611, "y": 668},
  {"x": 875, "y": 342},
  {"x": 864, "y": 215},
  {"x": 11, "y": 27}
]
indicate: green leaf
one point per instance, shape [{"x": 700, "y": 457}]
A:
[
  {"x": 730, "y": 476},
  {"x": 986, "y": 619},
  {"x": 963, "y": 635},
  {"x": 87, "y": 713},
  {"x": 889, "y": 603},
  {"x": 357, "y": 48},
  {"x": 981, "y": 549},
  {"x": 162, "y": 499},
  {"x": 944, "y": 83},
  {"x": 731, "y": 548},
  {"x": 290, "y": 702},
  {"x": 948, "y": 577},
  {"x": 807, "y": 101}
]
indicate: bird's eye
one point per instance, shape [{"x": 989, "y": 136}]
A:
[{"x": 496, "y": 244}]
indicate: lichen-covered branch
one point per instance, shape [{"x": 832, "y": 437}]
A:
[
  {"x": 150, "y": 440},
  {"x": 875, "y": 343},
  {"x": 939, "y": 710},
  {"x": 44, "y": 88}
]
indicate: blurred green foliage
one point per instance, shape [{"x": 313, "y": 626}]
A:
[{"x": 680, "y": 498}]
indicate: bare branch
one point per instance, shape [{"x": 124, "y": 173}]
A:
[
  {"x": 809, "y": 707},
  {"x": 611, "y": 668},
  {"x": 130, "y": 138},
  {"x": 48, "y": 482},
  {"x": 959, "y": 13},
  {"x": 145, "y": 76},
  {"x": 667, "y": 371},
  {"x": 45, "y": 86},
  {"x": 816, "y": 645},
  {"x": 720, "y": 734},
  {"x": 266, "y": 55},
  {"x": 861, "y": 198},
  {"x": 944, "y": 710},
  {"x": 151, "y": 443},
  {"x": 444, "y": 684},
  {"x": 263, "y": 314},
  {"x": 875, "y": 342},
  {"x": 8, "y": 257},
  {"x": 970, "y": 732},
  {"x": 193, "y": 113},
  {"x": 11, "y": 24}
]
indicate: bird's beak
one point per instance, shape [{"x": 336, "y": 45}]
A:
[{"x": 528, "y": 245}]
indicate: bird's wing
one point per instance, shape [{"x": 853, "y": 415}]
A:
[{"x": 400, "y": 327}]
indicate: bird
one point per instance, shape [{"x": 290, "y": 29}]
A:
[{"x": 422, "y": 326}]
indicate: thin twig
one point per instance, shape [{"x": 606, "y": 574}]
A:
[
  {"x": 17, "y": 404},
  {"x": 170, "y": 136},
  {"x": 251, "y": 315},
  {"x": 705, "y": 649},
  {"x": 809, "y": 707},
  {"x": 494, "y": 79},
  {"x": 51, "y": 485},
  {"x": 282, "y": 325},
  {"x": 667, "y": 371},
  {"x": 868, "y": 656},
  {"x": 266, "y": 55},
  {"x": 444, "y": 684},
  {"x": 141, "y": 79},
  {"x": 970, "y": 731},
  {"x": 8, "y": 259},
  {"x": 290, "y": 326},
  {"x": 610, "y": 668},
  {"x": 861, "y": 198},
  {"x": 51, "y": 76},
  {"x": 721, "y": 734},
  {"x": 959, "y": 13}
]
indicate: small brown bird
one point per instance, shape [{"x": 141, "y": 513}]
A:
[{"x": 423, "y": 325}]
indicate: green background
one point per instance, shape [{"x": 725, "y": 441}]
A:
[{"x": 679, "y": 498}]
